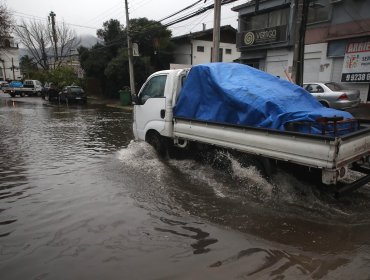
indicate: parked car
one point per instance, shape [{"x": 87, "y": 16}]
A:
[
  {"x": 333, "y": 95},
  {"x": 73, "y": 94},
  {"x": 50, "y": 93},
  {"x": 3, "y": 84}
]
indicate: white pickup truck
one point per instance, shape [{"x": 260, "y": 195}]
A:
[
  {"x": 332, "y": 156},
  {"x": 30, "y": 88}
]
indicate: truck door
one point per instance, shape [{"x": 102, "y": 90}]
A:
[{"x": 149, "y": 113}]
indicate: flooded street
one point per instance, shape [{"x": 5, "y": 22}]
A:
[{"x": 80, "y": 200}]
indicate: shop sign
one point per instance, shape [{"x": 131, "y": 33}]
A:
[
  {"x": 262, "y": 36},
  {"x": 356, "y": 65}
]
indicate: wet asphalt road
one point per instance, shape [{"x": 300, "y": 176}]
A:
[{"x": 80, "y": 200}]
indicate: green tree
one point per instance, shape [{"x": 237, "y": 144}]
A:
[
  {"x": 108, "y": 62},
  {"x": 27, "y": 66},
  {"x": 154, "y": 41},
  {"x": 94, "y": 61},
  {"x": 63, "y": 76},
  {"x": 118, "y": 75},
  {"x": 60, "y": 77},
  {"x": 113, "y": 36}
]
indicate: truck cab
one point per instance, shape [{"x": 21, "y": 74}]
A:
[
  {"x": 154, "y": 103},
  {"x": 34, "y": 85}
]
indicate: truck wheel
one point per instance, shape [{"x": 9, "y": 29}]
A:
[
  {"x": 12, "y": 95},
  {"x": 22, "y": 94},
  {"x": 262, "y": 164},
  {"x": 157, "y": 141}
]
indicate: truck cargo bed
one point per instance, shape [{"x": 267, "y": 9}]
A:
[{"x": 318, "y": 151}]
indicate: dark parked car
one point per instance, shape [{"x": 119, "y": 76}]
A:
[
  {"x": 50, "y": 93},
  {"x": 73, "y": 94}
]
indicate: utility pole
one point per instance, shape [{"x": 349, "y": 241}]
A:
[
  {"x": 216, "y": 31},
  {"x": 301, "y": 15},
  {"x": 129, "y": 48},
  {"x": 4, "y": 69},
  {"x": 13, "y": 68},
  {"x": 55, "y": 38}
]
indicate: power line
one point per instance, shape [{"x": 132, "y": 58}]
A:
[
  {"x": 184, "y": 9},
  {"x": 104, "y": 12},
  {"x": 139, "y": 6},
  {"x": 23, "y": 15},
  {"x": 200, "y": 20},
  {"x": 200, "y": 11}
]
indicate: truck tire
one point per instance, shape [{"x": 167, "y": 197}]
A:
[
  {"x": 264, "y": 165},
  {"x": 22, "y": 94},
  {"x": 157, "y": 141},
  {"x": 12, "y": 94}
]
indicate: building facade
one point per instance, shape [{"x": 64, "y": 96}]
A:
[
  {"x": 196, "y": 48},
  {"x": 9, "y": 60},
  {"x": 337, "y": 42}
]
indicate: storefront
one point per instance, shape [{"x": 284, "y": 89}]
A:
[{"x": 351, "y": 63}]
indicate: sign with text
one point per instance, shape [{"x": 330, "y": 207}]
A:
[
  {"x": 262, "y": 36},
  {"x": 356, "y": 64}
]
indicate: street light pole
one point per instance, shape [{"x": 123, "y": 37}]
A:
[
  {"x": 216, "y": 31},
  {"x": 129, "y": 48}
]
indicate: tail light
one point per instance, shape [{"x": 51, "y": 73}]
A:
[{"x": 343, "y": 97}]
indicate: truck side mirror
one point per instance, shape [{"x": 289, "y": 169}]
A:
[{"x": 134, "y": 99}]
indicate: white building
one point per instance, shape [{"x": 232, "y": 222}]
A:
[
  {"x": 196, "y": 48},
  {"x": 9, "y": 60}
]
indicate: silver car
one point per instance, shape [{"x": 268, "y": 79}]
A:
[{"x": 334, "y": 95}]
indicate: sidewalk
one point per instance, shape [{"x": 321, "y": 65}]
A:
[{"x": 114, "y": 103}]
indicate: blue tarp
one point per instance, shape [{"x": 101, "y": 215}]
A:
[
  {"x": 238, "y": 94},
  {"x": 16, "y": 84}
]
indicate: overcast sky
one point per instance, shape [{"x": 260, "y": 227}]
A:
[{"x": 85, "y": 16}]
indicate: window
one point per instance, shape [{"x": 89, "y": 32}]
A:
[
  {"x": 228, "y": 51},
  {"x": 154, "y": 88},
  {"x": 314, "y": 88},
  {"x": 278, "y": 18},
  {"x": 200, "y": 49},
  {"x": 319, "y": 11},
  {"x": 266, "y": 20},
  {"x": 337, "y": 48}
]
